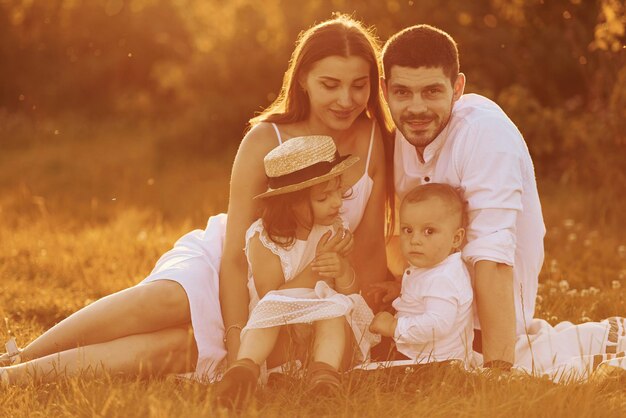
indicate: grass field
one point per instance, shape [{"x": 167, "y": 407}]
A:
[{"x": 87, "y": 210}]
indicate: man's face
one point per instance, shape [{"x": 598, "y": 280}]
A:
[{"x": 420, "y": 101}]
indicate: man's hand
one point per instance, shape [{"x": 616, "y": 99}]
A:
[
  {"x": 384, "y": 324},
  {"x": 384, "y": 292}
]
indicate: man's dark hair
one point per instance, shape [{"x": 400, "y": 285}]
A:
[{"x": 421, "y": 46}]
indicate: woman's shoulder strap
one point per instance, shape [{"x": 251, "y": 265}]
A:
[
  {"x": 280, "y": 139},
  {"x": 369, "y": 151}
]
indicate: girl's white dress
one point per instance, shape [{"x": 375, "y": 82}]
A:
[
  {"x": 194, "y": 263},
  {"x": 301, "y": 305}
]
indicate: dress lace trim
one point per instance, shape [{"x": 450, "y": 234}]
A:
[{"x": 282, "y": 253}]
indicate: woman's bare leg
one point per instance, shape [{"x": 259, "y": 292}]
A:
[
  {"x": 170, "y": 350},
  {"x": 137, "y": 310}
]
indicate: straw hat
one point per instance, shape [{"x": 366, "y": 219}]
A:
[{"x": 302, "y": 162}]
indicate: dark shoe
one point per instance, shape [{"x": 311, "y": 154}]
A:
[
  {"x": 323, "y": 380},
  {"x": 238, "y": 384}
]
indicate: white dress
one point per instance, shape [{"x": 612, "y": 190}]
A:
[
  {"x": 302, "y": 305},
  {"x": 194, "y": 263},
  {"x": 569, "y": 353}
]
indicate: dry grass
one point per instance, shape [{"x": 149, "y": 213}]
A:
[{"x": 88, "y": 211}]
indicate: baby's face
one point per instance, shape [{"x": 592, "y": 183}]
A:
[{"x": 429, "y": 232}]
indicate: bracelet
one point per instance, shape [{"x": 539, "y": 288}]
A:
[
  {"x": 349, "y": 285},
  {"x": 239, "y": 327}
]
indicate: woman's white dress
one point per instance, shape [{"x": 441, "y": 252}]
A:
[
  {"x": 194, "y": 263},
  {"x": 567, "y": 352}
]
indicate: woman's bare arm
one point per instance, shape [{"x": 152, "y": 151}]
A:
[
  {"x": 368, "y": 258},
  {"x": 247, "y": 180}
]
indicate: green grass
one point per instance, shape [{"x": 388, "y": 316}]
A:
[{"x": 88, "y": 211}]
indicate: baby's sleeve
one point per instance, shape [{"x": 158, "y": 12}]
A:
[{"x": 441, "y": 300}]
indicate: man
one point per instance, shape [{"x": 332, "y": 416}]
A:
[{"x": 468, "y": 142}]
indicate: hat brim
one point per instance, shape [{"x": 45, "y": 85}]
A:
[{"x": 334, "y": 172}]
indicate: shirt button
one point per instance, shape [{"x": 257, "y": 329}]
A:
[
  {"x": 426, "y": 179},
  {"x": 407, "y": 272}
]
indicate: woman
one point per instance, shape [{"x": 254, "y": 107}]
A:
[{"x": 330, "y": 88}]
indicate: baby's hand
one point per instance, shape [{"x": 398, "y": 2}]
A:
[
  {"x": 384, "y": 324},
  {"x": 388, "y": 291}
]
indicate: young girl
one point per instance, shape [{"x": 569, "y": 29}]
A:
[{"x": 300, "y": 273}]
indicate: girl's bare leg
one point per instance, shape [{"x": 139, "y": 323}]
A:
[
  {"x": 137, "y": 310},
  {"x": 257, "y": 344},
  {"x": 330, "y": 341},
  {"x": 170, "y": 350}
]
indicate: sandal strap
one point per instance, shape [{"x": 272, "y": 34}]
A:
[{"x": 13, "y": 351}]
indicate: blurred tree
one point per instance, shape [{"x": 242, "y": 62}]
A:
[{"x": 205, "y": 66}]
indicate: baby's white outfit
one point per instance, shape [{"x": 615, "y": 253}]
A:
[
  {"x": 434, "y": 312},
  {"x": 303, "y": 305}
]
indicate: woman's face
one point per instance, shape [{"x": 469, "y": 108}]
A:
[{"x": 338, "y": 89}]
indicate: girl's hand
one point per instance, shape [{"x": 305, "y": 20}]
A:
[
  {"x": 330, "y": 265},
  {"x": 384, "y": 292},
  {"x": 384, "y": 324},
  {"x": 342, "y": 242}
]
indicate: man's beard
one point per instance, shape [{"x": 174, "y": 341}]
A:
[{"x": 421, "y": 138}]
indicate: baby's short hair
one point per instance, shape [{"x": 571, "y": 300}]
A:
[{"x": 450, "y": 196}]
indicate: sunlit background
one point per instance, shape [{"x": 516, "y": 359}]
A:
[
  {"x": 143, "y": 102},
  {"x": 119, "y": 121}
]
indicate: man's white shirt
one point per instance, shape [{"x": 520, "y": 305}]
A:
[{"x": 482, "y": 153}]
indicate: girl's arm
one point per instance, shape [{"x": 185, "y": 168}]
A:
[
  {"x": 268, "y": 273},
  {"x": 247, "y": 180},
  {"x": 368, "y": 258}
]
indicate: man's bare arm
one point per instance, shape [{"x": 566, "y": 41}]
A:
[{"x": 493, "y": 286}]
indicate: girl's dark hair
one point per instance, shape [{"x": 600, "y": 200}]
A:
[{"x": 279, "y": 217}]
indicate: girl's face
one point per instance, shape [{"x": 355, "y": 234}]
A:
[
  {"x": 338, "y": 89},
  {"x": 325, "y": 201}
]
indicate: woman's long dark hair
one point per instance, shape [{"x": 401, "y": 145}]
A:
[{"x": 345, "y": 37}]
